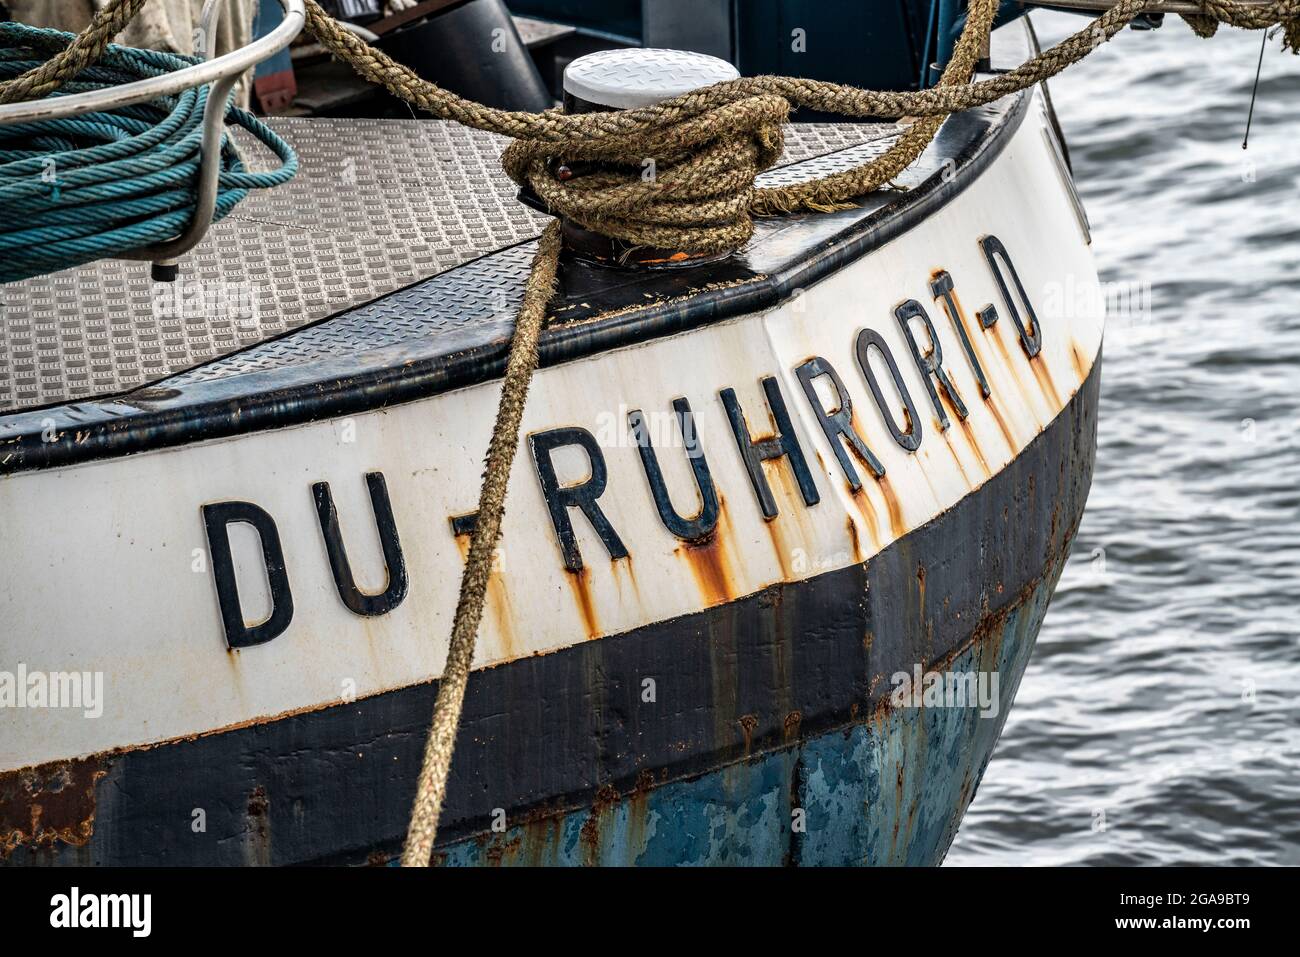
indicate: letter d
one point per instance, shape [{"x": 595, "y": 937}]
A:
[{"x": 217, "y": 518}]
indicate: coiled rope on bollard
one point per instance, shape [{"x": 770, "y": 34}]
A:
[
  {"x": 709, "y": 146},
  {"x": 77, "y": 189}
]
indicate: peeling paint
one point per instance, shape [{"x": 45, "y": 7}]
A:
[{"x": 48, "y": 804}]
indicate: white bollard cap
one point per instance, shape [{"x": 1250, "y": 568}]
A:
[{"x": 625, "y": 79}]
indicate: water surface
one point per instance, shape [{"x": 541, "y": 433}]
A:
[{"x": 1159, "y": 719}]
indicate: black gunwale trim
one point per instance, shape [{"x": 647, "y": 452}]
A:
[{"x": 156, "y": 417}]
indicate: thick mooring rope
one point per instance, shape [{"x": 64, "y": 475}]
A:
[
  {"x": 710, "y": 144},
  {"x": 714, "y": 142},
  {"x": 84, "y": 50},
  {"x": 520, "y": 365},
  {"x": 708, "y": 147}
]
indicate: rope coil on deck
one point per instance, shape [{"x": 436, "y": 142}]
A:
[
  {"x": 76, "y": 189},
  {"x": 708, "y": 147}
]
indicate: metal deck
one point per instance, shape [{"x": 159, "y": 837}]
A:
[{"x": 378, "y": 205}]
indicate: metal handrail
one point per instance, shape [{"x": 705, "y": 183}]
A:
[{"x": 222, "y": 72}]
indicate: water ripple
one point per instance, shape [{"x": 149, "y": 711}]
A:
[{"x": 1159, "y": 720}]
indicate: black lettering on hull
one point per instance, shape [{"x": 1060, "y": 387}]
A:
[
  {"x": 942, "y": 289},
  {"x": 838, "y": 424},
  {"x": 910, "y": 437},
  {"x": 1031, "y": 335},
  {"x": 357, "y": 601},
  {"x": 216, "y": 519},
  {"x": 930, "y": 362},
  {"x": 559, "y": 499},
  {"x": 783, "y": 444},
  {"x": 706, "y": 519}
]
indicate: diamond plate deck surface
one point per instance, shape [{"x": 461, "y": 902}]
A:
[{"x": 378, "y": 205}]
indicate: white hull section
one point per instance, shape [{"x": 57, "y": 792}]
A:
[{"x": 106, "y": 567}]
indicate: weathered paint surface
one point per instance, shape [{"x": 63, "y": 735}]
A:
[
  {"x": 128, "y": 532},
  {"x": 772, "y": 637},
  {"x": 49, "y": 804},
  {"x": 890, "y": 790},
  {"x": 786, "y": 671}
]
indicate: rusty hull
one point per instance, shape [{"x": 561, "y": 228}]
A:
[
  {"x": 889, "y": 789},
  {"x": 764, "y": 704}
]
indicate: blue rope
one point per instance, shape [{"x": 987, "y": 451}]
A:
[{"x": 89, "y": 187}]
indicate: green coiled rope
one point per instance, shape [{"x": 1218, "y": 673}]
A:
[{"x": 88, "y": 187}]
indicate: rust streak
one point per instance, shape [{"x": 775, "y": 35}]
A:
[
  {"x": 580, "y": 582},
  {"x": 853, "y": 538},
  {"x": 498, "y": 600},
  {"x": 748, "y": 723},
  {"x": 605, "y": 801},
  {"x": 792, "y": 509},
  {"x": 623, "y": 566},
  {"x": 975, "y": 447},
  {"x": 257, "y": 828},
  {"x": 1045, "y": 383},
  {"x": 960, "y": 318},
  {"x": 710, "y": 562},
  {"x": 638, "y": 817},
  {"x": 952, "y": 399},
  {"x": 780, "y": 549},
  {"x": 1009, "y": 367},
  {"x": 1012, "y": 445},
  {"x": 896, "y": 523},
  {"x": 857, "y": 427},
  {"x": 920, "y": 588},
  {"x": 1080, "y": 366},
  {"x": 711, "y": 568},
  {"x": 1007, "y": 364},
  {"x": 868, "y": 511}
]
